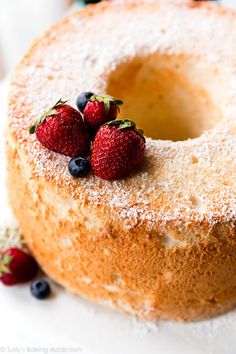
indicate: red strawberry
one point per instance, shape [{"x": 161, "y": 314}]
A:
[
  {"x": 99, "y": 110},
  {"x": 16, "y": 267},
  {"x": 61, "y": 129},
  {"x": 117, "y": 149}
]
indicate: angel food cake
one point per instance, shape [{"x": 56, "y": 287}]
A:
[{"x": 160, "y": 242}]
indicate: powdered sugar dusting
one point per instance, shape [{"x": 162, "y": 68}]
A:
[{"x": 70, "y": 60}]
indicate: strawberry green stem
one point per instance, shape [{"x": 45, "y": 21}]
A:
[{"x": 51, "y": 111}]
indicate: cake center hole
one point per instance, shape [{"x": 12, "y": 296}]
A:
[{"x": 169, "y": 97}]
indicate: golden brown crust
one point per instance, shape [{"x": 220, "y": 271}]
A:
[
  {"x": 132, "y": 269},
  {"x": 162, "y": 242}
]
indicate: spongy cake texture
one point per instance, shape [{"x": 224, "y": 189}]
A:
[{"x": 162, "y": 242}]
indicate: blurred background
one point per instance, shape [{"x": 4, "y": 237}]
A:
[{"x": 23, "y": 20}]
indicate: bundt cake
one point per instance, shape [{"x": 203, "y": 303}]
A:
[{"x": 160, "y": 243}]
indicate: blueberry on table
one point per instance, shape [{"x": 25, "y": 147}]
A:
[{"x": 40, "y": 289}]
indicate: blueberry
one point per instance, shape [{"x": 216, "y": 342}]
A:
[
  {"x": 79, "y": 167},
  {"x": 82, "y": 100},
  {"x": 40, "y": 289}
]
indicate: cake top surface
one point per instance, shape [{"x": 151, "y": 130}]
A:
[{"x": 191, "y": 180}]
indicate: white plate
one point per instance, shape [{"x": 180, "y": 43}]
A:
[{"x": 68, "y": 324}]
